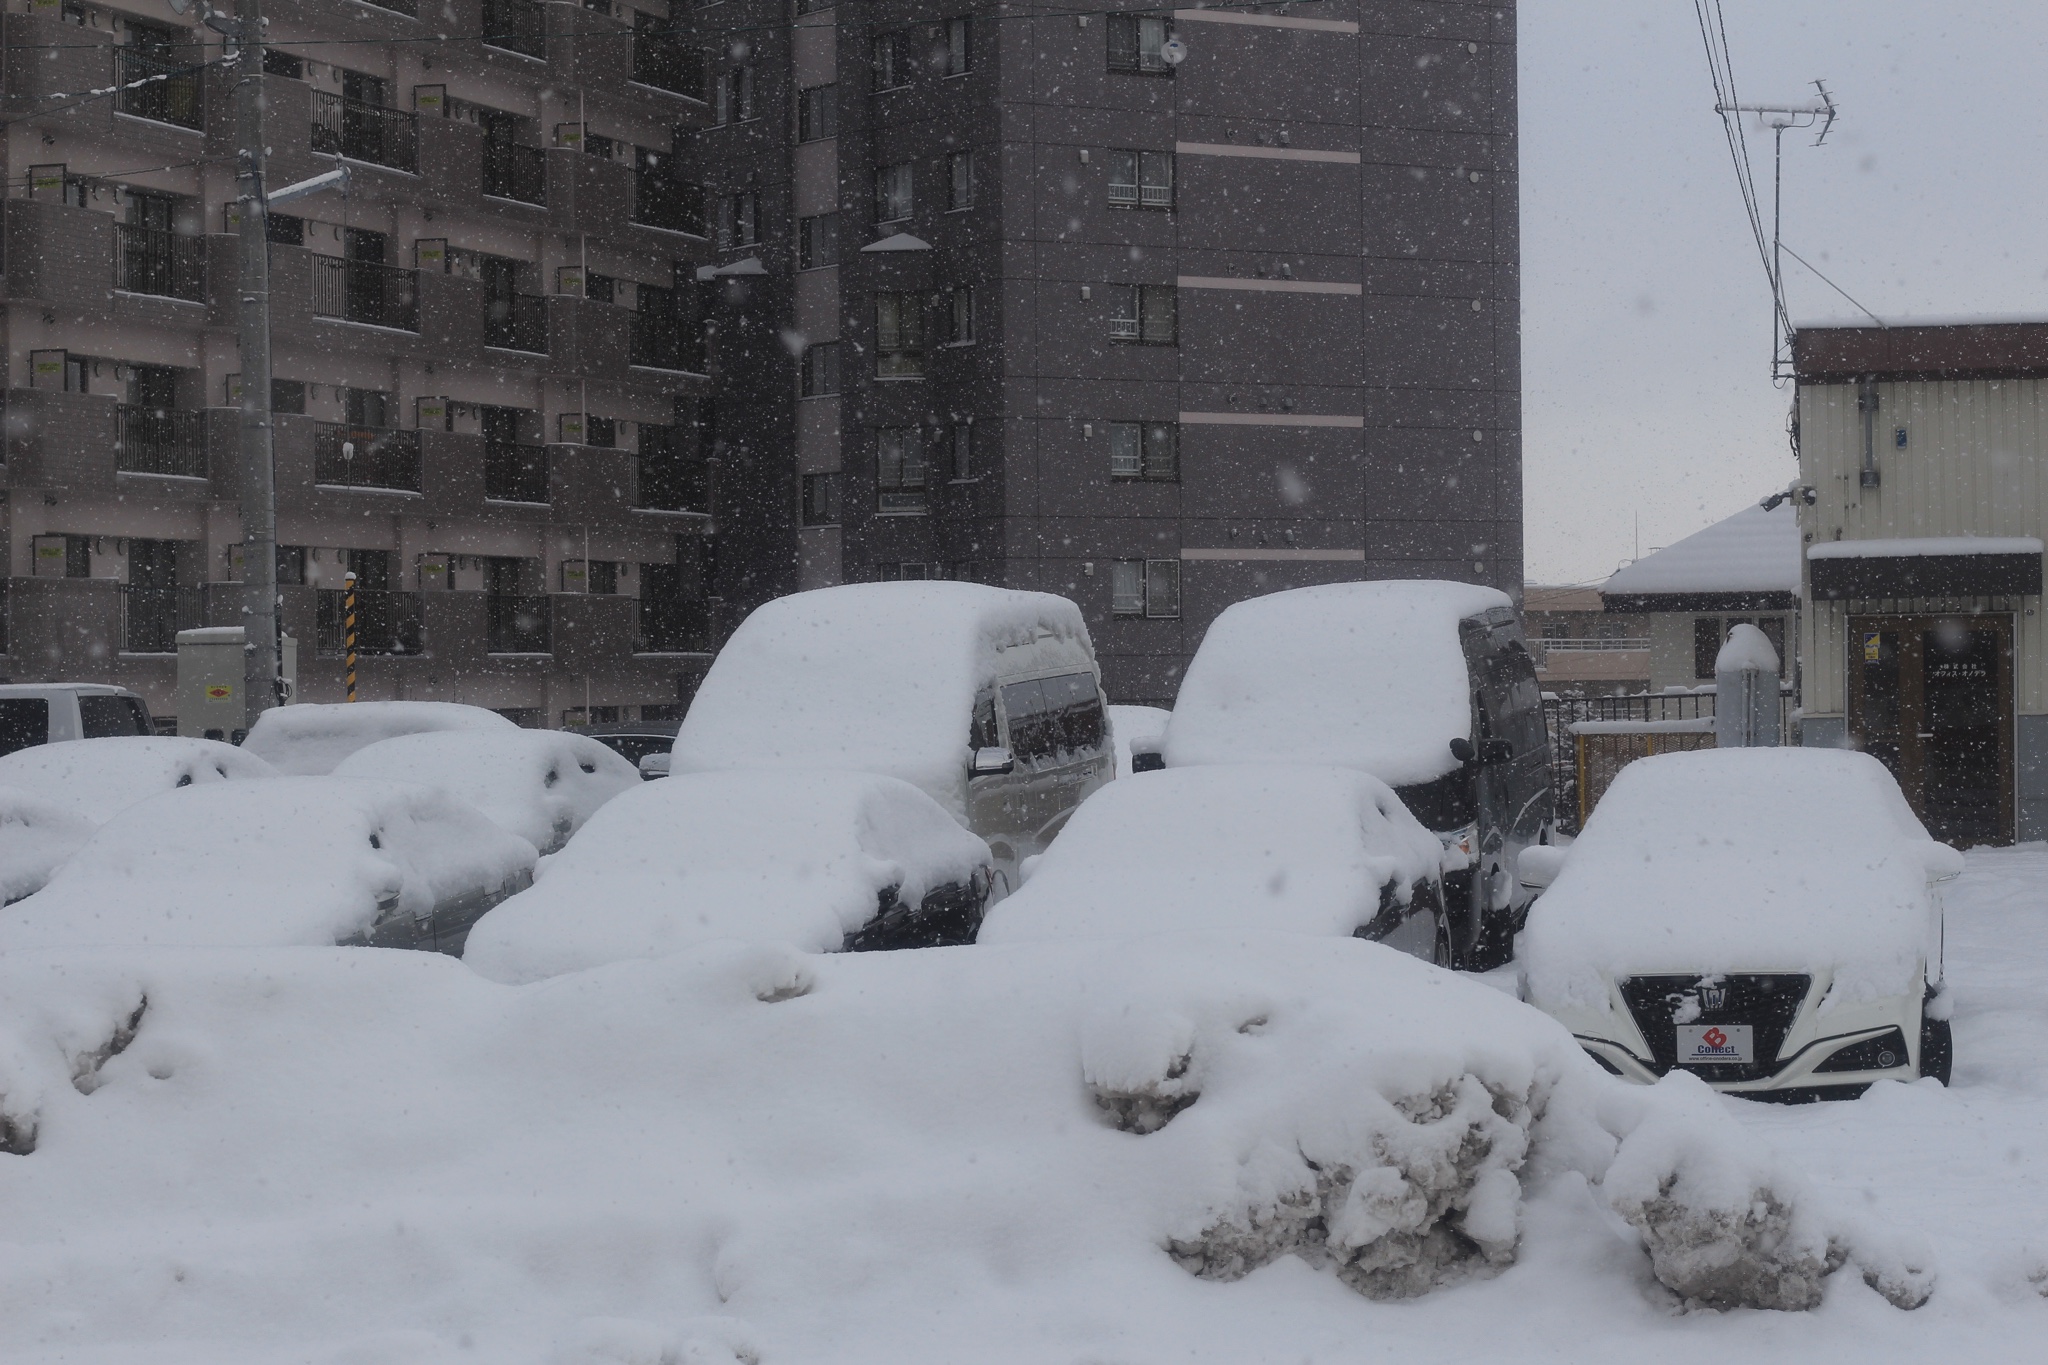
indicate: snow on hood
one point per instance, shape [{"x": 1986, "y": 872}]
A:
[
  {"x": 1794, "y": 860},
  {"x": 1233, "y": 847},
  {"x": 540, "y": 784},
  {"x": 309, "y": 740},
  {"x": 799, "y": 859},
  {"x": 1361, "y": 675},
  {"x": 36, "y": 836},
  {"x": 289, "y": 861},
  {"x": 97, "y": 778},
  {"x": 872, "y": 677}
]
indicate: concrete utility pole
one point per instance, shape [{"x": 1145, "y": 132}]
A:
[{"x": 262, "y": 674}]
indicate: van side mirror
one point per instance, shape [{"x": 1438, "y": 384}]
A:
[
  {"x": 993, "y": 761},
  {"x": 653, "y": 766},
  {"x": 1538, "y": 866},
  {"x": 1145, "y": 756},
  {"x": 1462, "y": 750}
]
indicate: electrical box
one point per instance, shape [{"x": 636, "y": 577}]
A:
[{"x": 210, "y": 700}]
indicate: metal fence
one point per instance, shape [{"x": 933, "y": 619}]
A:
[
  {"x": 1609, "y": 755},
  {"x": 513, "y": 170},
  {"x": 518, "y": 625},
  {"x": 366, "y": 457},
  {"x": 517, "y": 26},
  {"x": 152, "y": 617},
  {"x": 365, "y": 132},
  {"x": 517, "y": 322},
  {"x": 386, "y": 622},
  {"x": 659, "y": 342},
  {"x": 366, "y": 291},
  {"x": 660, "y": 200},
  {"x": 514, "y": 472},
  {"x": 159, "y": 88},
  {"x": 662, "y": 62},
  {"x": 159, "y": 441},
  {"x": 161, "y": 262}
]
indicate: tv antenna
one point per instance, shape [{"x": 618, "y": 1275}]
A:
[{"x": 1819, "y": 112}]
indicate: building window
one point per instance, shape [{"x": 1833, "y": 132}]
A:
[
  {"x": 1137, "y": 42},
  {"x": 818, "y": 113},
  {"x": 1140, "y": 180},
  {"x": 960, "y": 314},
  {"x": 895, "y": 59},
  {"x": 959, "y": 181},
  {"x": 817, "y": 241},
  {"x": 821, "y": 370},
  {"x": 821, "y": 499},
  {"x": 1143, "y": 313},
  {"x": 899, "y": 335},
  {"x": 899, "y": 469},
  {"x": 735, "y": 96},
  {"x": 893, "y": 199},
  {"x": 963, "y": 450},
  {"x": 959, "y": 46},
  {"x": 1144, "y": 450},
  {"x": 739, "y": 220}
]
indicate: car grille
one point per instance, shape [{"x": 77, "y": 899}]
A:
[{"x": 1768, "y": 1003}]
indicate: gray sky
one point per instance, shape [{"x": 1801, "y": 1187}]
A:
[{"x": 1645, "y": 312}]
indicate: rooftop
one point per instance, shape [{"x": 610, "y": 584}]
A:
[{"x": 1740, "y": 562}]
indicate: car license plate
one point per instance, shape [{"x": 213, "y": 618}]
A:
[{"x": 1715, "y": 1044}]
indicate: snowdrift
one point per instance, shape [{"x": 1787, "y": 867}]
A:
[
  {"x": 96, "y": 779},
  {"x": 542, "y": 785},
  {"x": 308, "y": 740}
]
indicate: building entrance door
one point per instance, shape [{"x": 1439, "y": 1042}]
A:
[{"x": 1931, "y": 698}]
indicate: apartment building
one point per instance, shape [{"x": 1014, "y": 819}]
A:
[
  {"x": 1156, "y": 309},
  {"x": 486, "y": 349}
]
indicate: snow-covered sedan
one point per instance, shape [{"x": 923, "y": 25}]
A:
[{"x": 1769, "y": 920}]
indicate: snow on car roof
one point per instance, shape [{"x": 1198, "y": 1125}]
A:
[
  {"x": 1228, "y": 847},
  {"x": 1753, "y": 551},
  {"x": 309, "y": 740},
  {"x": 872, "y": 677},
  {"x": 1362, "y": 675},
  {"x": 540, "y": 784},
  {"x": 97, "y": 778},
  {"x": 795, "y": 858},
  {"x": 36, "y": 836},
  {"x": 1720, "y": 860}
]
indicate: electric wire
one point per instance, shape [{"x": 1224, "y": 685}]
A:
[{"x": 1832, "y": 285}]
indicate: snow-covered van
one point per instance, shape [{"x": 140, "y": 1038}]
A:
[
  {"x": 989, "y": 700},
  {"x": 1428, "y": 686},
  {"x": 45, "y": 713}
]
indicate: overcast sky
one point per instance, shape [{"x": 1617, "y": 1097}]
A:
[{"x": 1646, "y": 316}]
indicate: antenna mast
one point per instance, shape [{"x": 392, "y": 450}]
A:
[{"x": 1820, "y": 112}]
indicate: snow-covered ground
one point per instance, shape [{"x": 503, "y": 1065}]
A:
[{"x": 746, "y": 1155}]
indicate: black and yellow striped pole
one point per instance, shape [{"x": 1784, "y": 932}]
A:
[{"x": 348, "y": 627}]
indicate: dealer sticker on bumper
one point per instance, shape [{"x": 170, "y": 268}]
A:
[{"x": 1708, "y": 1044}]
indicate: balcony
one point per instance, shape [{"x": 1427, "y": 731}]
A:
[
  {"x": 152, "y": 617},
  {"x": 517, "y": 625},
  {"x": 161, "y": 262},
  {"x": 365, "y": 132},
  {"x": 662, "y": 62},
  {"x": 1141, "y": 196},
  {"x": 674, "y": 625},
  {"x": 365, "y": 291},
  {"x": 515, "y": 171},
  {"x": 516, "y": 26},
  {"x": 515, "y": 473},
  {"x": 366, "y": 457},
  {"x": 662, "y": 201},
  {"x": 659, "y": 342},
  {"x": 517, "y": 322},
  {"x": 169, "y": 91},
  {"x": 387, "y": 623},
  {"x": 159, "y": 441}
]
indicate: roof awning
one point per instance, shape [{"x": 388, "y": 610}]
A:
[{"x": 1926, "y": 566}]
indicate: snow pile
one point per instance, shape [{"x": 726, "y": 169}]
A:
[
  {"x": 1741, "y": 860},
  {"x": 873, "y": 677},
  {"x": 36, "y": 836},
  {"x": 1239, "y": 846},
  {"x": 311, "y": 740},
  {"x": 288, "y": 861},
  {"x": 1747, "y": 648},
  {"x": 1128, "y": 724},
  {"x": 801, "y": 859},
  {"x": 540, "y": 784},
  {"x": 1756, "y": 550},
  {"x": 97, "y": 778},
  {"x": 1362, "y": 675}
]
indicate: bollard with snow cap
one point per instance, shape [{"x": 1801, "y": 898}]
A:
[{"x": 1746, "y": 691}]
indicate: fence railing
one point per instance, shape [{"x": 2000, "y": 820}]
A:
[
  {"x": 674, "y": 627},
  {"x": 661, "y": 201},
  {"x": 517, "y": 26},
  {"x": 366, "y": 291},
  {"x": 1561, "y": 713},
  {"x": 662, "y": 62},
  {"x": 386, "y": 622},
  {"x": 517, "y": 322},
  {"x": 514, "y": 472},
  {"x": 366, "y": 457},
  {"x": 518, "y": 625},
  {"x": 365, "y": 132},
  {"x": 152, "y": 617},
  {"x": 159, "y": 261},
  {"x": 1591, "y": 644},
  {"x": 159, "y": 441},
  {"x": 513, "y": 170},
  {"x": 658, "y": 341},
  {"x": 162, "y": 89}
]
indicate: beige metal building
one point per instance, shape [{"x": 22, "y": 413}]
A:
[
  {"x": 486, "y": 348},
  {"x": 1926, "y": 448}
]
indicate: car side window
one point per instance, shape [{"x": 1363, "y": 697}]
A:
[
  {"x": 1033, "y": 733},
  {"x": 982, "y": 733},
  {"x": 24, "y": 721},
  {"x": 102, "y": 716},
  {"x": 1075, "y": 704}
]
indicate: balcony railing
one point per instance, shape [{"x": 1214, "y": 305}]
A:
[
  {"x": 518, "y": 625},
  {"x": 365, "y": 132},
  {"x": 1146, "y": 196},
  {"x": 662, "y": 62},
  {"x": 658, "y": 341},
  {"x": 366, "y": 457},
  {"x": 517, "y": 322},
  {"x": 1604, "y": 644},
  {"x": 517, "y": 26},
  {"x": 154, "y": 616},
  {"x": 681, "y": 626},
  {"x": 162, "y": 89},
  {"x": 366, "y": 291},
  {"x": 159, "y": 441},
  {"x": 515, "y": 472},
  {"x": 1123, "y": 329},
  {"x": 159, "y": 261},
  {"x": 386, "y": 623},
  {"x": 513, "y": 170},
  {"x": 661, "y": 201}
]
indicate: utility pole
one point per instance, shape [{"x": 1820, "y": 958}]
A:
[
  {"x": 262, "y": 676},
  {"x": 1778, "y": 118}
]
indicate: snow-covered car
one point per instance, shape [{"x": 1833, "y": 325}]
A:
[
  {"x": 50, "y": 713},
  {"x": 309, "y": 740},
  {"x": 1428, "y": 686},
  {"x": 1238, "y": 847},
  {"x": 36, "y": 837},
  {"x": 97, "y": 779},
  {"x": 540, "y": 784},
  {"x": 632, "y": 740},
  {"x": 989, "y": 700},
  {"x": 295, "y": 860},
  {"x": 814, "y": 861},
  {"x": 1769, "y": 920}
]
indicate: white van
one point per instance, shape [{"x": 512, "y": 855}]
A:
[
  {"x": 44, "y": 713},
  {"x": 988, "y": 699}
]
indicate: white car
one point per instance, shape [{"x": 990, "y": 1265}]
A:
[
  {"x": 1234, "y": 847},
  {"x": 97, "y": 779},
  {"x": 540, "y": 784},
  {"x": 307, "y": 740},
  {"x": 1769, "y": 920}
]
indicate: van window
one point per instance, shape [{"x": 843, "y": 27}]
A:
[
  {"x": 1031, "y": 737},
  {"x": 24, "y": 721},
  {"x": 982, "y": 735},
  {"x": 1054, "y": 718},
  {"x": 1510, "y": 703},
  {"x": 102, "y": 716}
]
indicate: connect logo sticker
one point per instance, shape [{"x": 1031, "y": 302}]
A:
[{"x": 219, "y": 692}]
